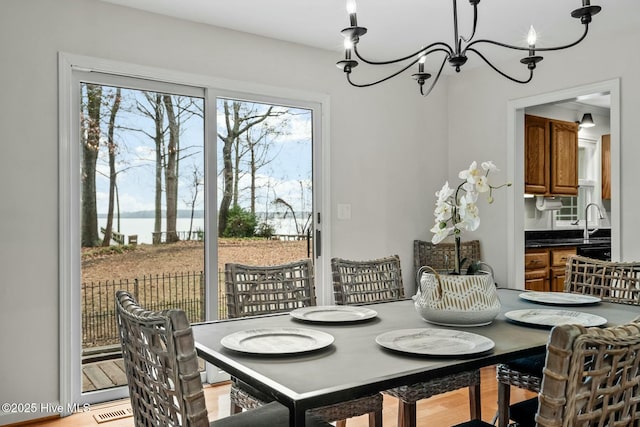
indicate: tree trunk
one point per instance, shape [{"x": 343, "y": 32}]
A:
[
  {"x": 159, "y": 141},
  {"x": 90, "y": 149},
  {"x": 112, "y": 148},
  {"x": 171, "y": 171}
]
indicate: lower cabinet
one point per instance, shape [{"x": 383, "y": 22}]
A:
[
  {"x": 544, "y": 268},
  {"x": 536, "y": 270}
]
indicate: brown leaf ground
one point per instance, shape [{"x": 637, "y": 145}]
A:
[{"x": 100, "y": 264}]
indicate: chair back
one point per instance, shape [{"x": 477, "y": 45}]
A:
[
  {"x": 358, "y": 282},
  {"x": 442, "y": 255},
  {"x": 612, "y": 281},
  {"x": 591, "y": 377},
  {"x": 161, "y": 365},
  {"x": 255, "y": 290}
]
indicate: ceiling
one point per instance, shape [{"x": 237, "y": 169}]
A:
[{"x": 403, "y": 28}]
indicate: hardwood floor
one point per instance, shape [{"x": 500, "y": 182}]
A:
[{"x": 442, "y": 410}]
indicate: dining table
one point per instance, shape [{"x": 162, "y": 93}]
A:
[{"x": 355, "y": 361}]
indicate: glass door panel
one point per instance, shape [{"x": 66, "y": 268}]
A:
[
  {"x": 265, "y": 185},
  {"x": 142, "y": 225}
]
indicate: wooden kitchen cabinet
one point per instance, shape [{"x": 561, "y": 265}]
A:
[
  {"x": 544, "y": 268},
  {"x": 606, "y": 167},
  {"x": 564, "y": 158},
  {"x": 558, "y": 267},
  {"x": 536, "y": 270},
  {"x": 551, "y": 156},
  {"x": 537, "y": 152}
]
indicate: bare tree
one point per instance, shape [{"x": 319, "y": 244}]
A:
[
  {"x": 90, "y": 149},
  {"x": 237, "y": 122},
  {"x": 196, "y": 183},
  {"x": 111, "y": 149},
  {"x": 171, "y": 169}
]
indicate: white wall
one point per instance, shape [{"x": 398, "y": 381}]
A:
[
  {"x": 478, "y": 124},
  {"x": 387, "y": 146}
]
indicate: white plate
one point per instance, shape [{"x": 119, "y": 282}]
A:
[
  {"x": 546, "y": 317},
  {"x": 277, "y": 340},
  {"x": 559, "y": 298},
  {"x": 333, "y": 313},
  {"x": 435, "y": 342}
]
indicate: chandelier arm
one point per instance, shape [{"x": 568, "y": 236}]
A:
[
  {"x": 475, "y": 23},
  {"x": 383, "y": 79},
  {"x": 435, "y": 80},
  {"x": 537, "y": 49},
  {"x": 420, "y": 52},
  {"x": 502, "y": 73}
]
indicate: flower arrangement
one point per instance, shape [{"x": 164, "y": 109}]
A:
[{"x": 457, "y": 209}]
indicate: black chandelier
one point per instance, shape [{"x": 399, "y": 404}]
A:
[{"x": 456, "y": 56}]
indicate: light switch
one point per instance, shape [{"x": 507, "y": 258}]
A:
[{"x": 344, "y": 211}]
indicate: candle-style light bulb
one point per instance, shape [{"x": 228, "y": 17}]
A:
[
  {"x": 348, "y": 45},
  {"x": 351, "y": 10},
  {"x": 351, "y": 6},
  {"x": 531, "y": 37},
  {"x": 421, "y": 62}
]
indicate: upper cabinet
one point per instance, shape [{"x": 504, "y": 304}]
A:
[
  {"x": 606, "y": 167},
  {"x": 551, "y": 156}
]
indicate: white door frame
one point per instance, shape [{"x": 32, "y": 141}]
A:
[
  {"x": 68, "y": 237},
  {"x": 515, "y": 169}
]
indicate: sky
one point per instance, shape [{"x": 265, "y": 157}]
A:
[{"x": 287, "y": 175}]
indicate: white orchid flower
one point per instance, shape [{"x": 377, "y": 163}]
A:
[
  {"x": 440, "y": 232},
  {"x": 468, "y": 211},
  {"x": 442, "y": 211},
  {"x": 489, "y": 166},
  {"x": 456, "y": 209},
  {"x": 444, "y": 193},
  {"x": 472, "y": 174},
  {"x": 482, "y": 185}
]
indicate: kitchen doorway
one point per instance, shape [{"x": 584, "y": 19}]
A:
[{"x": 515, "y": 155}]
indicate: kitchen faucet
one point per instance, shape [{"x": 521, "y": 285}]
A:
[{"x": 587, "y": 233}]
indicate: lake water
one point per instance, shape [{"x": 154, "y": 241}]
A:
[{"x": 143, "y": 227}]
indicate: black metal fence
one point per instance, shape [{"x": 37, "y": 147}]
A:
[{"x": 154, "y": 292}]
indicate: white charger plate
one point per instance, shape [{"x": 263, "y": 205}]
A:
[
  {"x": 333, "y": 313},
  {"x": 559, "y": 298},
  {"x": 277, "y": 340},
  {"x": 435, "y": 342},
  {"x": 549, "y": 317}
]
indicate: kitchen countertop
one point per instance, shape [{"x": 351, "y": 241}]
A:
[
  {"x": 547, "y": 243},
  {"x": 558, "y": 238}
]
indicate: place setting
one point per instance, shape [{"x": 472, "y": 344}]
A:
[
  {"x": 277, "y": 341},
  {"x": 333, "y": 314},
  {"x": 552, "y": 317},
  {"x": 559, "y": 298},
  {"x": 435, "y": 342}
]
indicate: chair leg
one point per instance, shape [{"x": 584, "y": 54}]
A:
[
  {"x": 406, "y": 414},
  {"x": 235, "y": 409},
  {"x": 375, "y": 419},
  {"x": 504, "y": 397},
  {"x": 475, "y": 406},
  {"x": 341, "y": 423}
]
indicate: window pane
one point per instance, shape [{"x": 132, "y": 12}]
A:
[
  {"x": 265, "y": 176},
  {"x": 142, "y": 213}
]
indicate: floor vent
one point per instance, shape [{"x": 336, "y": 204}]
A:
[{"x": 112, "y": 414}]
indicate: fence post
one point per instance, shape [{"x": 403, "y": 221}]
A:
[{"x": 203, "y": 305}]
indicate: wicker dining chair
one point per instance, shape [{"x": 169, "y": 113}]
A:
[
  {"x": 379, "y": 280},
  {"x": 162, "y": 372},
  {"x": 617, "y": 282},
  {"x": 441, "y": 256},
  {"x": 257, "y": 290},
  {"x": 591, "y": 378}
]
